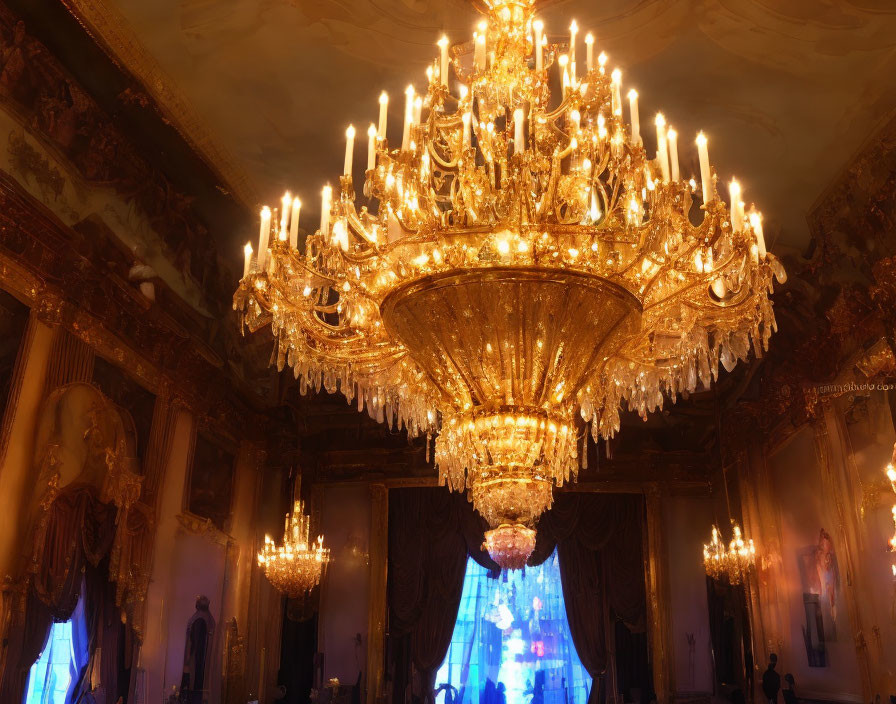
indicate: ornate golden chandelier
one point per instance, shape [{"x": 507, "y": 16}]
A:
[
  {"x": 735, "y": 561},
  {"x": 297, "y": 565},
  {"x": 518, "y": 258}
]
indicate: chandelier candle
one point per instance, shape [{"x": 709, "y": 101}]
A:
[
  {"x": 488, "y": 294},
  {"x": 247, "y": 265},
  {"x": 705, "y": 170},
  {"x": 443, "y": 61},
  {"x": 326, "y": 197},
  {"x": 589, "y": 52},
  {"x": 616, "y": 102},
  {"x": 479, "y": 51},
  {"x": 634, "y": 118},
  {"x": 264, "y": 235},
  {"x": 563, "y": 61},
  {"x": 371, "y": 147},
  {"x": 573, "y": 32},
  {"x": 737, "y": 211},
  {"x": 756, "y": 226},
  {"x": 662, "y": 149},
  {"x": 408, "y": 117},
  {"x": 294, "y": 223},
  {"x": 418, "y": 110},
  {"x": 349, "y": 150},
  {"x": 384, "y": 115},
  {"x": 538, "y": 28}
]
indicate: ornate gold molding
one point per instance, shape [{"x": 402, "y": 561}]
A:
[
  {"x": 111, "y": 31},
  {"x": 197, "y": 525}
]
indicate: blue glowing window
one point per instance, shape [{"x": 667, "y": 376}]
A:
[
  {"x": 511, "y": 643},
  {"x": 51, "y": 675}
]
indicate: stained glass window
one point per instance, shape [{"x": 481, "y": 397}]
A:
[{"x": 511, "y": 643}]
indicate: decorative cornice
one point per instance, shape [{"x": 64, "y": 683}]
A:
[
  {"x": 70, "y": 123},
  {"x": 112, "y": 33},
  {"x": 197, "y": 525},
  {"x": 50, "y": 266}
]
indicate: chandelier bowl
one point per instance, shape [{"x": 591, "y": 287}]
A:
[{"x": 503, "y": 335}]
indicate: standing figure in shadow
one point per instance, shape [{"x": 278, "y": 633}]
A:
[{"x": 200, "y": 629}]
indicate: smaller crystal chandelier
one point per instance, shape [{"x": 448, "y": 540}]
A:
[
  {"x": 295, "y": 567},
  {"x": 735, "y": 561},
  {"x": 738, "y": 559},
  {"x": 714, "y": 555}
]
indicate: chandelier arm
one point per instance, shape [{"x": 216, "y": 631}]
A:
[
  {"x": 673, "y": 266},
  {"x": 298, "y": 261},
  {"x": 447, "y": 165},
  {"x": 357, "y": 227}
]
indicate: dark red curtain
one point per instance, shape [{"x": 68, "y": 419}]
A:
[
  {"x": 598, "y": 542},
  {"x": 431, "y": 533},
  {"x": 77, "y": 535}
]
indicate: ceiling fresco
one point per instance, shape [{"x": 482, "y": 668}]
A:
[{"x": 787, "y": 91}]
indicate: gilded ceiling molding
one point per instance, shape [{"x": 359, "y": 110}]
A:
[
  {"x": 66, "y": 288},
  {"x": 112, "y": 33}
]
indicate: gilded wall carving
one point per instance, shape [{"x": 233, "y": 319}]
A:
[{"x": 53, "y": 105}]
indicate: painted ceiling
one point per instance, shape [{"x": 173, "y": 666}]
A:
[{"x": 786, "y": 90}]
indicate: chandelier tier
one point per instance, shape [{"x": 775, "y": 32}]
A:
[
  {"x": 518, "y": 258},
  {"x": 735, "y": 562},
  {"x": 296, "y": 566}
]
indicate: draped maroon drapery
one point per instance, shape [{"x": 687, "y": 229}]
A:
[
  {"x": 598, "y": 542},
  {"x": 77, "y": 536},
  {"x": 431, "y": 533}
]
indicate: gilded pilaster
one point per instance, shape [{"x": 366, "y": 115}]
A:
[
  {"x": 376, "y": 624},
  {"x": 656, "y": 574}
]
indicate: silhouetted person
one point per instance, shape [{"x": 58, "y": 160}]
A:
[
  {"x": 200, "y": 629},
  {"x": 500, "y": 696},
  {"x": 538, "y": 689},
  {"x": 771, "y": 680},
  {"x": 489, "y": 694},
  {"x": 789, "y": 693}
]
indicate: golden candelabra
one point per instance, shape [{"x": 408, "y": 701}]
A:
[
  {"x": 733, "y": 562},
  {"x": 518, "y": 259},
  {"x": 297, "y": 565}
]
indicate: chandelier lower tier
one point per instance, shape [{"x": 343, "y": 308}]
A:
[{"x": 518, "y": 260}]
